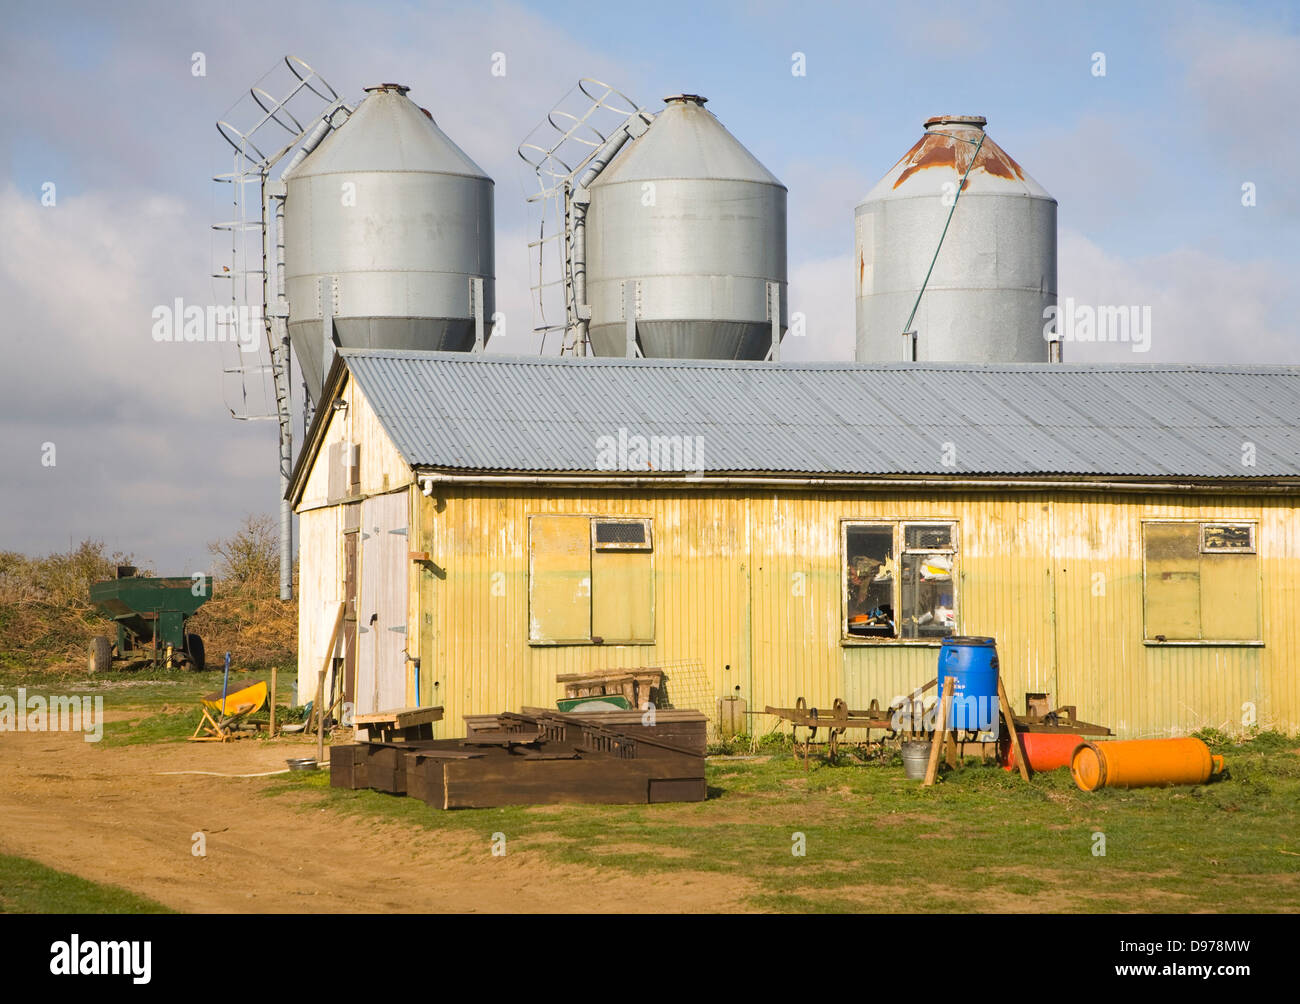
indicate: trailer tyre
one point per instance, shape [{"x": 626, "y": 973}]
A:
[
  {"x": 194, "y": 648},
  {"x": 101, "y": 654}
]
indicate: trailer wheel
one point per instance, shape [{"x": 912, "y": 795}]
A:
[
  {"x": 194, "y": 648},
  {"x": 101, "y": 654}
]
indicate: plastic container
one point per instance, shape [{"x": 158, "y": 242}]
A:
[{"x": 974, "y": 663}]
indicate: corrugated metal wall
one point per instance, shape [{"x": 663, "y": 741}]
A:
[{"x": 749, "y": 586}]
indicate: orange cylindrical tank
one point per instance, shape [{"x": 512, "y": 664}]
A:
[
  {"x": 1141, "y": 763},
  {"x": 1043, "y": 750}
]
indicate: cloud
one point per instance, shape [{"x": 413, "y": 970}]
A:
[
  {"x": 823, "y": 292},
  {"x": 1204, "y": 308},
  {"x": 1243, "y": 80},
  {"x": 145, "y": 456}
]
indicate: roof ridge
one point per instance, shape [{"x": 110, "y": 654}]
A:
[{"x": 829, "y": 365}]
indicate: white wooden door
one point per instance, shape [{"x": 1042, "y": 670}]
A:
[{"x": 381, "y": 605}]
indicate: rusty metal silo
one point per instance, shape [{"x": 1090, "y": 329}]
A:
[{"x": 995, "y": 272}]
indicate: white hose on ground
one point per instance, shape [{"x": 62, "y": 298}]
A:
[{"x": 213, "y": 773}]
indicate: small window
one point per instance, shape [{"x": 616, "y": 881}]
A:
[
  {"x": 1221, "y": 538},
  {"x": 620, "y": 534},
  {"x": 1201, "y": 582},
  {"x": 899, "y": 580}
]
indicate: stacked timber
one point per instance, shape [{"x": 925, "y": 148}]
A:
[{"x": 538, "y": 758}]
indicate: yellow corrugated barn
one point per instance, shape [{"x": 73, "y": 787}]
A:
[{"x": 1131, "y": 537}]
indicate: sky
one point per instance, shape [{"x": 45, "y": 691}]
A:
[{"x": 109, "y": 147}]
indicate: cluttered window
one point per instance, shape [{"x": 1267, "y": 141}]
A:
[
  {"x": 1200, "y": 582},
  {"x": 899, "y": 579},
  {"x": 591, "y": 581}
]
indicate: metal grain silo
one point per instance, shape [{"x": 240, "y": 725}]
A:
[
  {"x": 691, "y": 228},
  {"x": 388, "y": 224},
  {"x": 996, "y": 269}
]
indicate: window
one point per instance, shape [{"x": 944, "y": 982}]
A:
[
  {"x": 620, "y": 534},
  {"x": 591, "y": 581},
  {"x": 344, "y": 466},
  {"x": 899, "y": 580},
  {"x": 1200, "y": 582}
]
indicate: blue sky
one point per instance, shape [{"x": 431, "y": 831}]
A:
[{"x": 1147, "y": 164}]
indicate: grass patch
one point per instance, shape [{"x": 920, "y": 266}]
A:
[
  {"x": 163, "y": 706},
  {"x": 29, "y": 887},
  {"x": 167, "y": 727},
  {"x": 980, "y": 841}
]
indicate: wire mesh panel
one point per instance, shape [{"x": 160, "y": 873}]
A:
[{"x": 684, "y": 687}]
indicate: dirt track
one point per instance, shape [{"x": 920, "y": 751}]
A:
[{"x": 106, "y": 815}]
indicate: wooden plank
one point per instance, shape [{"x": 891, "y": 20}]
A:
[
  {"x": 317, "y": 708},
  {"x": 502, "y": 739},
  {"x": 608, "y": 674},
  {"x": 941, "y": 730},
  {"x": 401, "y": 718},
  {"x": 1017, "y": 744},
  {"x": 484, "y": 784}
]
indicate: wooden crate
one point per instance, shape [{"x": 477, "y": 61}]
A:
[
  {"x": 678, "y": 789},
  {"x": 347, "y": 766},
  {"x": 385, "y": 767},
  {"x": 543, "y": 758},
  {"x": 491, "y": 782}
]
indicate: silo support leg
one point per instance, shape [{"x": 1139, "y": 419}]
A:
[{"x": 629, "y": 313}]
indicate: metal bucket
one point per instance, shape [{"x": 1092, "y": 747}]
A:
[
  {"x": 302, "y": 763},
  {"x": 916, "y": 757}
]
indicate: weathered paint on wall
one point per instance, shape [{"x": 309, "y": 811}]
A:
[
  {"x": 750, "y": 586},
  {"x": 320, "y": 524},
  {"x": 320, "y": 589}
]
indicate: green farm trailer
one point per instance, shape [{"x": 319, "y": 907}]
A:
[{"x": 151, "y": 615}]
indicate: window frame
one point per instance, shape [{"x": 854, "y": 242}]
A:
[
  {"x": 898, "y": 525},
  {"x": 1246, "y": 524},
  {"x": 647, "y": 548},
  {"x": 648, "y": 545},
  {"x": 1201, "y": 524}
]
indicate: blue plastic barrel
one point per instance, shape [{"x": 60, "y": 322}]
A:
[{"x": 974, "y": 664}]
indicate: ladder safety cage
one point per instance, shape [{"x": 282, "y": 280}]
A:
[
  {"x": 306, "y": 111},
  {"x": 567, "y": 151}
]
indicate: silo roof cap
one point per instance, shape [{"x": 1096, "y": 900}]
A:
[
  {"x": 697, "y": 99},
  {"x": 399, "y": 88},
  {"x": 978, "y": 121}
]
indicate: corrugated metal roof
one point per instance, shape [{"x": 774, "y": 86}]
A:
[{"x": 533, "y": 414}]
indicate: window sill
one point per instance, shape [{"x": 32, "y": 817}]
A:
[
  {"x": 851, "y": 642},
  {"x": 1153, "y": 643},
  {"x": 586, "y": 643}
]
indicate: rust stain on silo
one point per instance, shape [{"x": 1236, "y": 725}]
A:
[{"x": 936, "y": 149}]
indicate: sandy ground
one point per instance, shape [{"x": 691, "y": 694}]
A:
[{"x": 107, "y": 815}]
